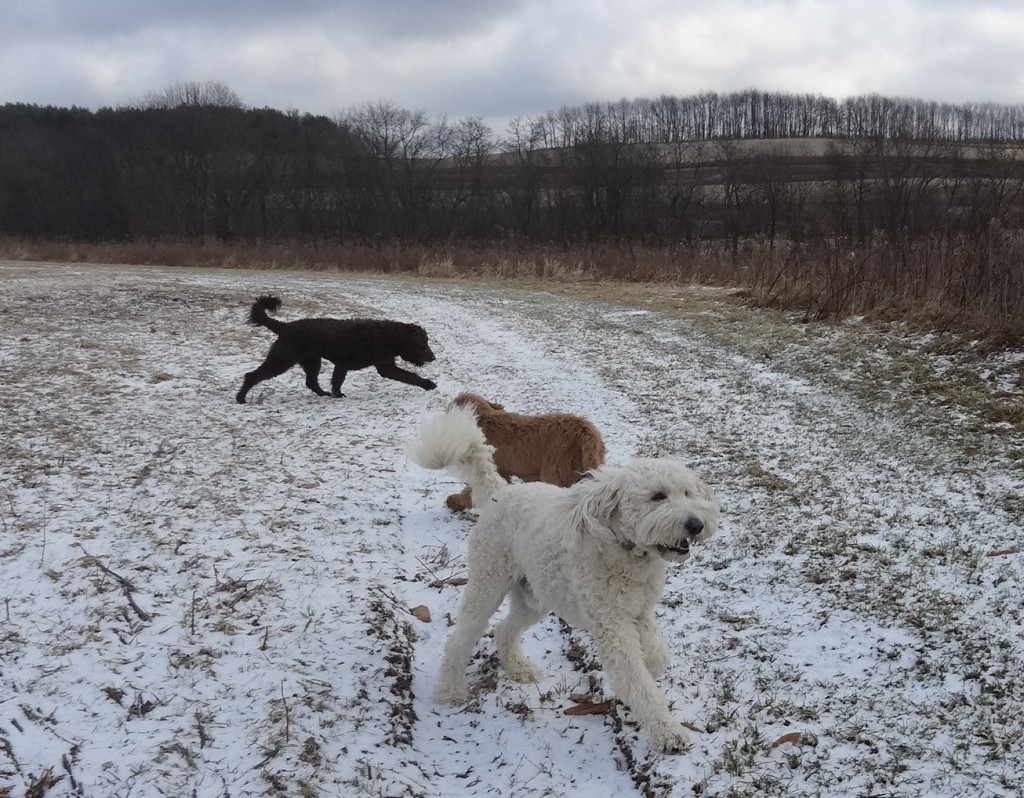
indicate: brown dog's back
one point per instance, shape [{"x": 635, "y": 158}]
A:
[{"x": 558, "y": 448}]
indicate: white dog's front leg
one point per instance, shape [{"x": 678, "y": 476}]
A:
[
  {"x": 656, "y": 656},
  {"x": 508, "y": 638},
  {"x": 618, "y": 648},
  {"x": 479, "y": 602},
  {"x": 451, "y": 680}
]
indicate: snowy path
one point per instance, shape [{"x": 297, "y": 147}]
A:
[{"x": 202, "y": 598}]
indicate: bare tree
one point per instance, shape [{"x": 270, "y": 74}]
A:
[{"x": 190, "y": 93}]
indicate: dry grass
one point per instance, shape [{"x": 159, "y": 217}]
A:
[
  {"x": 973, "y": 288},
  {"x": 493, "y": 261},
  {"x": 968, "y": 286}
]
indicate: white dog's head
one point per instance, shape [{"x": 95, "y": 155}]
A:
[{"x": 651, "y": 506}]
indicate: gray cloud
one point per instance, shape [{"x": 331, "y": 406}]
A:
[
  {"x": 378, "y": 20},
  {"x": 501, "y": 59}
]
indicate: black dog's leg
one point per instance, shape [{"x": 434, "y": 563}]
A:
[
  {"x": 311, "y": 365},
  {"x": 337, "y": 378},
  {"x": 277, "y": 362},
  {"x": 394, "y": 372}
]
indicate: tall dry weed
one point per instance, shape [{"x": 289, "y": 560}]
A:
[{"x": 972, "y": 285}]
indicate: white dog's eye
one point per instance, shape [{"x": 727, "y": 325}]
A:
[
  {"x": 660, "y": 496},
  {"x": 687, "y": 494}
]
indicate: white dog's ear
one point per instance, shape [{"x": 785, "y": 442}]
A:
[
  {"x": 599, "y": 496},
  {"x": 704, "y": 492}
]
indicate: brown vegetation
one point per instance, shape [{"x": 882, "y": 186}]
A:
[{"x": 970, "y": 288}]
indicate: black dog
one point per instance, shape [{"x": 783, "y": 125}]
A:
[{"x": 350, "y": 344}]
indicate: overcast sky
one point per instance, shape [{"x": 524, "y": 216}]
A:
[{"x": 501, "y": 58}]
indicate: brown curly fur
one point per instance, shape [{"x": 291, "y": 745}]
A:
[{"x": 558, "y": 448}]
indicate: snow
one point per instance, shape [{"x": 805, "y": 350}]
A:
[{"x": 202, "y": 598}]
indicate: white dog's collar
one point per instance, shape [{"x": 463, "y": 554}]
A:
[{"x": 631, "y": 547}]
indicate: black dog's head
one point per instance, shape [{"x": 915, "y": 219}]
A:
[{"x": 414, "y": 346}]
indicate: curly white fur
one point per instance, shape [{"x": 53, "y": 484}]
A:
[{"x": 594, "y": 553}]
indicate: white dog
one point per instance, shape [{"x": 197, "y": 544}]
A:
[{"x": 593, "y": 553}]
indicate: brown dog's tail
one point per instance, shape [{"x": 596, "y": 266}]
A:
[
  {"x": 258, "y": 313},
  {"x": 454, "y": 442}
]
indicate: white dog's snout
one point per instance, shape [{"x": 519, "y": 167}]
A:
[{"x": 693, "y": 526}]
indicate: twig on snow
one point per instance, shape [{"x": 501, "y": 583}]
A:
[
  {"x": 126, "y": 586},
  {"x": 287, "y": 717}
]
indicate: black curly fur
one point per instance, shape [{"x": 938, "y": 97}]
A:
[
  {"x": 258, "y": 311},
  {"x": 350, "y": 344}
]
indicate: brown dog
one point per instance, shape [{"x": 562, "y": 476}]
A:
[{"x": 558, "y": 448}]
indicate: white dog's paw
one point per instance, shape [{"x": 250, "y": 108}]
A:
[
  {"x": 451, "y": 694},
  {"x": 522, "y": 670},
  {"x": 668, "y": 736}
]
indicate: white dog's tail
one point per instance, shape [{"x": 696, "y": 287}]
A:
[{"x": 454, "y": 442}]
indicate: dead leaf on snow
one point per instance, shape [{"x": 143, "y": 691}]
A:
[
  {"x": 584, "y": 706},
  {"x": 792, "y": 737},
  {"x": 421, "y": 612},
  {"x": 456, "y": 581}
]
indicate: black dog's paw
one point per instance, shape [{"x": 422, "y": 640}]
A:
[
  {"x": 337, "y": 394},
  {"x": 429, "y": 385}
]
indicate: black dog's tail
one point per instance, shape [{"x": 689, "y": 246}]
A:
[{"x": 258, "y": 312}]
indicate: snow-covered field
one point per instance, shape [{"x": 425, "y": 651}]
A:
[{"x": 207, "y": 599}]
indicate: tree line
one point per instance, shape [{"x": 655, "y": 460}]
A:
[
  {"x": 193, "y": 162},
  {"x": 835, "y": 207},
  {"x": 754, "y": 114}
]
